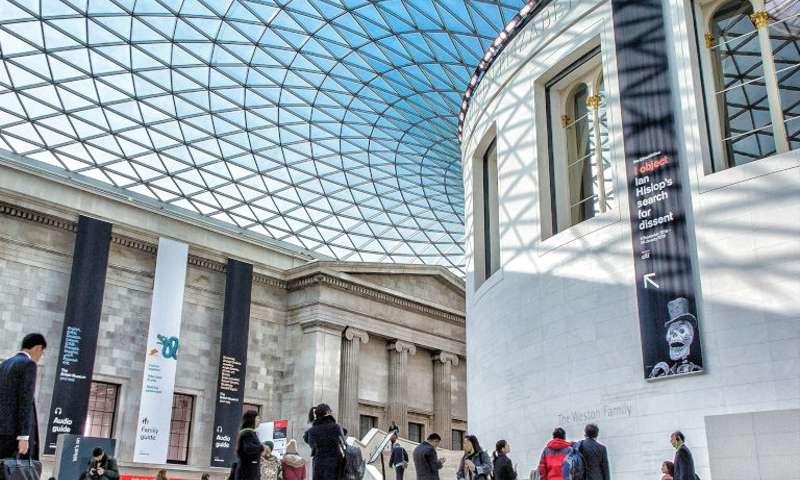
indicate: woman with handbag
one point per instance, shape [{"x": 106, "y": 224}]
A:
[{"x": 475, "y": 464}]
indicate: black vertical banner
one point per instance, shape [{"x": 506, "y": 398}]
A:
[
  {"x": 665, "y": 285},
  {"x": 232, "y": 362},
  {"x": 79, "y": 338}
]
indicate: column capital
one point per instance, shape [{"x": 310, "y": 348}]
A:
[
  {"x": 402, "y": 347},
  {"x": 446, "y": 357},
  {"x": 356, "y": 334}
]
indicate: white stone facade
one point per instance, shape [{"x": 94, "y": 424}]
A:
[
  {"x": 301, "y": 311},
  {"x": 553, "y": 336}
]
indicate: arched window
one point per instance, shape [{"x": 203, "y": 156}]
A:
[
  {"x": 754, "y": 63},
  {"x": 588, "y": 164}
]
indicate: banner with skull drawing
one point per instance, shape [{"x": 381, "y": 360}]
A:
[{"x": 665, "y": 281}]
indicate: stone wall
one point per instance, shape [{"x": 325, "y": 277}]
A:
[
  {"x": 295, "y": 336},
  {"x": 553, "y": 336}
]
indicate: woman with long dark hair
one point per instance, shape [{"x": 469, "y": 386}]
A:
[
  {"x": 325, "y": 439},
  {"x": 503, "y": 468},
  {"x": 475, "y": 464},
  {"x": 249, "y": 448}
]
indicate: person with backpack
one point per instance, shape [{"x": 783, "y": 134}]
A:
[
  {"x": 398, "y": 459},
  {"x": 559, "y": 460},
  {"x": 503, "y": 468},
  {"x": 249, "y": 448},
  {"x": 326, "y": 442},
  {"x": 475, "y": 464},
  {"x": 595, "y": 455}
]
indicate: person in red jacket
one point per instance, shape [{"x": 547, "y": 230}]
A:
[{"x": 552, "y": 460}]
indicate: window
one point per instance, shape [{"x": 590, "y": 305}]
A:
[
  {"x": 416, "y": 431},
  {"x": 487, "y": 213},
  {"x": 751, "y": 76},
  {"x": 458, "y": 440},
  {"x": 180, "y": 428},
  {"x": 246, "y": 407},
  {"x": 581, "y": 184},
  {"x": 102, "y": 410},
  {"x": 366, "y": 423}
]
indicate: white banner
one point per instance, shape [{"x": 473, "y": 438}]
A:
[{"x": 163, "y": 342}]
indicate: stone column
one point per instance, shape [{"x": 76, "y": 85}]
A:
[
  {"x": 443, "y": 364},
  {"x": 397, "y": 405},
  {"x": 317, "y": 355},
  {"x": 348, "y": 385}
]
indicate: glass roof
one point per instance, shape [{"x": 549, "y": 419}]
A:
[{"x": 329, "y": 124}]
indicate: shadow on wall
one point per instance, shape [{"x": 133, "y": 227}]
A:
[{"x": 552, "y": 349}]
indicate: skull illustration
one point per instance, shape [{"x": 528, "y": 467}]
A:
[{"x": 679, "y": 337}]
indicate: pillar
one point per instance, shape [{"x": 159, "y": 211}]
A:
[
  {"x": 348, "y": 385},
  {"x": 397, "y": 405},
  {"x": 443, "y": 364}
]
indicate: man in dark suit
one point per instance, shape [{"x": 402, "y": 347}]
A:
[
  {"x": 426, "y": 461},
  {"x": 684, "y": 463},
  {"x": 18, "y": 424},
  {"x": 595, "y": 456},
  {"x": 399, "y": 458}
]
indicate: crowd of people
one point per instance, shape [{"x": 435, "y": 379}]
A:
[{"x": 334, "y": 456}]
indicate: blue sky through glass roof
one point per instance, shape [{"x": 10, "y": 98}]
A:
[{"x": 327, "y": 124}]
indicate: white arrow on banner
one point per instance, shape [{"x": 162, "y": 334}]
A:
[{"x": 648, "y": 278}]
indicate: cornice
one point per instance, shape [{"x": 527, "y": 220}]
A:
[
  {"x": 323, "y": 278},
  {"x": 314, "y": 276}
]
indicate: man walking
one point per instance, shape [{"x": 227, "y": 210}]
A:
[
  {"x": 684, "y": 463},
  {"x": 595, "y": 456},
  {"x": 399, "y": 458},
  {"x": 18, "y": 423},
  {"x": 426, "y": 461}
]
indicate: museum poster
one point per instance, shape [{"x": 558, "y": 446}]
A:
[
  {"x": 161, "y": 353},
  {"x": 232, "y": 362},
  {"x": 665, "y": 283},
  {"x": 75, "y": 361}
]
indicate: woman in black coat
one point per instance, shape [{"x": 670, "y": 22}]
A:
[
  {"x": 503, "y": 468},
  {"x": 249, "y": 448},
  {"x": 325, "y": 439}
]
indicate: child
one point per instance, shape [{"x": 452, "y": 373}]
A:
[{"x": 668, "y": 469}]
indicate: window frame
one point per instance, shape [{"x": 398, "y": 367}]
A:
[
  {"x": 87, "y": 425},
  {"x": 488, "y": 270},
  {"x": 258, "y": 407},
  {"x": 373, "y": 423},
  {"x": 703, "y": 13},
  {"x": 454, "y": 432},
  {"x": 190, "y": 423},
  {"x": 556, "y": 99},
  {"x": 421, "y": 431}
]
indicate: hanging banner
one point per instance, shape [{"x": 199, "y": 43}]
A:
[
  {"x": 161, "y": 358},
  {"x": 79, "y": 335},
  {"x": 665, "y": 283},
  {"x": 232, "y": 362}
]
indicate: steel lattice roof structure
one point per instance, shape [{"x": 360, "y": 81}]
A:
[{"x": 328, "y": 124}]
